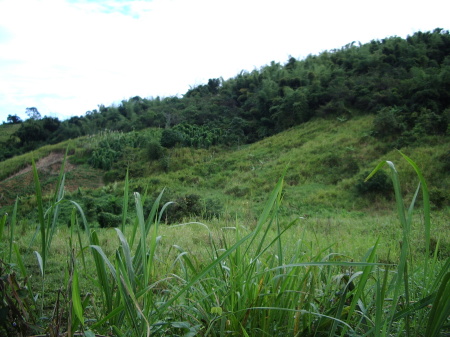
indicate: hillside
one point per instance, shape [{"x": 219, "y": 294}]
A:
[
  {"x": 326, "y": 120},
  {"x": 325, "y": 161}
]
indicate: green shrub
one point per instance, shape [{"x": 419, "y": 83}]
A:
[
  {"x": 213, "y": 209},
  {"x": 155, "y": 150},
  {"x": 440, "y": 197},
  {"x": 378, "y": 184},
  {"x": 428, "y": 122},
  {"x": 165, "y": 163},
  {"x": 388, "y": 122},
  {"x": 170, "y": 138},
  {"x": 106, "y": 220},
  {"x": 103, "y": 158},
  {"x": 188, "y": 205}
]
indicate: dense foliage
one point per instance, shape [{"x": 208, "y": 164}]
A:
[{"x": 405, "y": 82}]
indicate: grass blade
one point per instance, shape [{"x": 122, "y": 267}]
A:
[
  {"x": 19, "y": 259},
  {"x": 127, "y": 254},
  {"x": 426, "y": 210},
  {"x": 440, "y": 310},
  {"x": 101, "y": 261},
  {"x": 12, "y": 229},
  {"x": 76, "y": 297},
  {"x": 83, "y": 217},
  {"x": 125, "y": 203},
  {"x": 2, "y": 225},
  {"x": 40, "y": 208},
  {"x": 40, "y": 262}
]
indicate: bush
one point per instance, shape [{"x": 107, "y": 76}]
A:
[
  {"x": 165, "y": 163},
  {"x": 106, "y": 220},
  {"x": 170, "y": 138},
  {"x": 213, "y": 209},
  {"x": 90, "y": 209},
  {"x": 103, "y": 158},
  {"x": 188, "y": 205},
  {"x": 155, "y": 150},
  {"x": 439, "y": 197},
  {"x": 378, "y": 184},
  {"x": 388, "y": 122},
  {"x": 430, "y": 123}
]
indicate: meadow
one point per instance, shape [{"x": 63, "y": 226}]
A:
[{"x": 276, "y": 275}]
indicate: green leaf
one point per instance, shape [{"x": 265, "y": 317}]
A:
[
  {"x": 40, "y": 207},
  {"x": 12, "y": 230},
  {"x": 125, "y": 203},
  {"x": 440, "y": 310},
  {"x": 23, "y": 271},
  {"x": 2, "y": 225},
  {"x": 41, "y": 262},
  {"x": 76, "y": 298}
]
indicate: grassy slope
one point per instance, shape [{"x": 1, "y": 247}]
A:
[
  {"x": 6, "y": 130},
  {"x": 324, "y": 159}
]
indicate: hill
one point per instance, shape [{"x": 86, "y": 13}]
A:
[
  {"x": 326, "y": 119},
  {"x": 326, "y": 161},
  {"x": 404, "y": 82}
]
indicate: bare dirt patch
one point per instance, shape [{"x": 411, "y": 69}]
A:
[
  {"x": 51, "y": 163},
  {"x": 22, "y": 182}
]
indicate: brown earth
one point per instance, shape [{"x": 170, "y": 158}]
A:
[
  {"x": 52, "y": 162},
  {"x": 22, "y": 182}
]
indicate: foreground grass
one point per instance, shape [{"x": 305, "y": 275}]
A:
[{"x": 276, "y": 276}]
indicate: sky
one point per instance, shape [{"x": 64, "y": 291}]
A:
[{"x": 66, "y": 57}]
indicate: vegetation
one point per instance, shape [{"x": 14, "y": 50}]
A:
[
  {"x": 159, "y": 216},
  {"x": 242, "y": 281}
]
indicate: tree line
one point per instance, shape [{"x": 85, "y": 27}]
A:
[{"x": 404, "y": 82}]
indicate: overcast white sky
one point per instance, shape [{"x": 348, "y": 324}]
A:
[{"x": 66, "y": 57}]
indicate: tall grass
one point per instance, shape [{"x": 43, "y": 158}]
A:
[
  {"x": 249, "y": 282},
  {"x": 252, "y": 286}
]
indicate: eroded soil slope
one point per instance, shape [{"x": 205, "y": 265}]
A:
[{"x": 22, "y": 183}]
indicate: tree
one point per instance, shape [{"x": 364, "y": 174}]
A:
[
  {"x": 214, "y": 85},
  {"x": 33, "y": 113},
  {"x": 31, "y": 133},
  {"x": 51, "y": 124},
  {"x": 13, "y": 119}
]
